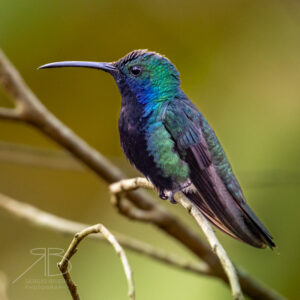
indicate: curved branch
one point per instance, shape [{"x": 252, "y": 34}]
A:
[
  {"x": 99, "y": 228},
  {"x": 131, "y": 184},
  {"x": 214, "y": 244},
  {"x": 45, "y": 220}
]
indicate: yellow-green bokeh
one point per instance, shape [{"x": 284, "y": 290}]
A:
[{"x": 239, "y": 62}]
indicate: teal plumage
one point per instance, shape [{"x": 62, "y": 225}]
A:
[
  {"x": 165, "y": 136},
  {"x": 160, "y": 145}
]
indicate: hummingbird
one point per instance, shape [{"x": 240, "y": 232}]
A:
[{"x": 166, "y": 137}]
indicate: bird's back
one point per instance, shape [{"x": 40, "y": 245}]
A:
[{"x": 219, "y": 195}]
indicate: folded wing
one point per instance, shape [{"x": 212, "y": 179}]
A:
[{"x": 217, "y": 193}]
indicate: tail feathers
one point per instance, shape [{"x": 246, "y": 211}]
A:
[
  {"x": 239, "y": 222},
  {"x": 262, "y": 230}
]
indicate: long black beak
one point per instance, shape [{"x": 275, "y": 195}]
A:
[{"x": 107, "y": 67}]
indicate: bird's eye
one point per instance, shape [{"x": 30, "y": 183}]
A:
[{"x": 135, "y": 70}]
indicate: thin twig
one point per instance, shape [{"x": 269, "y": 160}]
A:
[
  {"x": 214, "y": 244},
  {"x": 33, "y": 112},
  {"x": 98, "y": 228},
  {"x": 41, "y": 219},
  {"x": 131, "y": 184},
  {"x": 9, "y": 114}
]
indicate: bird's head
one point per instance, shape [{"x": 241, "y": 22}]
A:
[{"x": 149, "y": 76}]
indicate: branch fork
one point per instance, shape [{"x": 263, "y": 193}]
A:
[
  {"x": 127, "y": 209},
  {"x": 79, "y": 236}
]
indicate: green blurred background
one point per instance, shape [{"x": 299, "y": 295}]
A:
[{"x": 239, "y": 62}]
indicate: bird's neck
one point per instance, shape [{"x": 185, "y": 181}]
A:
[{"x": 151, "y": 99}]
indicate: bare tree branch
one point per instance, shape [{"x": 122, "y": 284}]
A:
[
  {"x": 131, "y": 184},
  {"x": 45, "y": 220},
  {"x": 9, "y": 114},
  {"x": 214, "y": 244},
  {"x": 33, "y": 112},
  {"x": 125, "y": 207},
  {"x": 99, "y": 228}
]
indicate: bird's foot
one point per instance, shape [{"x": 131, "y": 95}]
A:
[
  {"x": 162, "y": 195},
  {"x": 179, "y": 189}
]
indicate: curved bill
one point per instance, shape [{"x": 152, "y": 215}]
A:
[{"x": 107, "y": 67}]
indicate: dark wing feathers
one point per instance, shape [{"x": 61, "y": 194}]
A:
[{"x": 221, "y": 201}]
